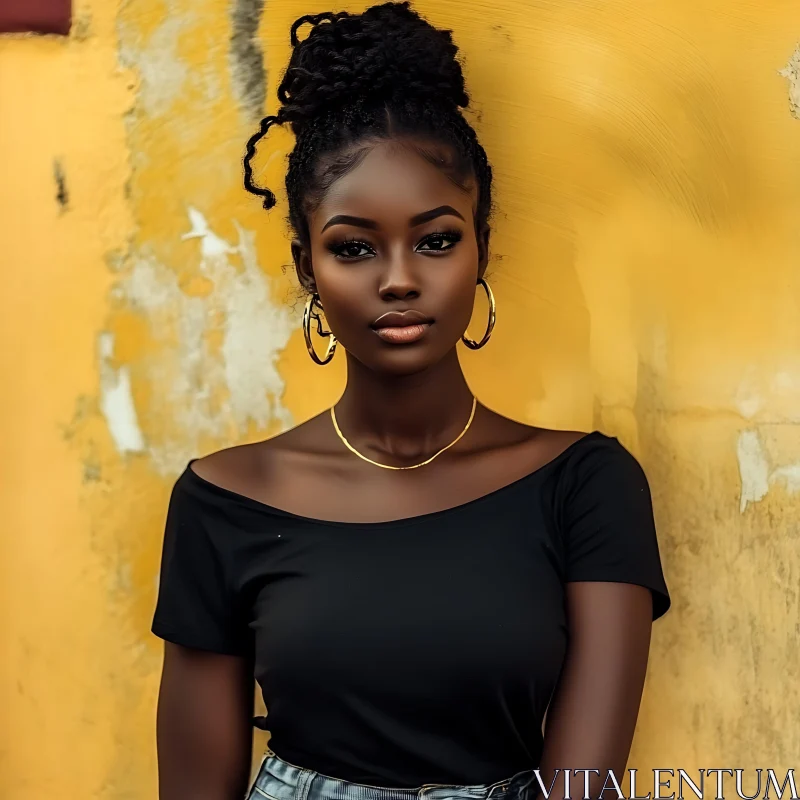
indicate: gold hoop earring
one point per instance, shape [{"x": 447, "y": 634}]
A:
[
  {"x": 313, "y": 310},
  {"x": 471, "y": 343}
]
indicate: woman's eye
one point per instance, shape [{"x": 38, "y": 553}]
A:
[
  {"x": 350, "y": 250},
  {"x": 437, "y": 242}
]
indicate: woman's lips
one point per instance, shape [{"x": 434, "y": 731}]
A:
[
  {"x": 405, "y": 334},
  {"x": 402, "y": 327}
]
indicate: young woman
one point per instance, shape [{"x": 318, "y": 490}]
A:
[{"x": 412, "y": 578}]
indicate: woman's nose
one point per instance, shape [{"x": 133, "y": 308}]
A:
[{"x": 399, "y": 281}]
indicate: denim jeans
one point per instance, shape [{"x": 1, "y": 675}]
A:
[{"x": 278, "y": 780}]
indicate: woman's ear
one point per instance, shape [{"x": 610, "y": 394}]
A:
[
  {"x": 302, "y": 265},
  {"x": 483, "y": 249}
]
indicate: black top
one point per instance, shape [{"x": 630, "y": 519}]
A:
[{"x": 421, "y": 650}]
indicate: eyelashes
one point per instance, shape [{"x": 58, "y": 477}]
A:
[
  {"x": 435, "y": 243},
  {"x": 445, "y": 240},
  {"x": 351, "y": 249}
]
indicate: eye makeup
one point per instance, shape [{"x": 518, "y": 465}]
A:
[{"x": 435, "y": 243}]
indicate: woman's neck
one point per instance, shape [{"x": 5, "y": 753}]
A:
[{"x": 404, "y": 416}]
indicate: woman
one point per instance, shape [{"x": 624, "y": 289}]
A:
[{"x": 412, "y": 578}]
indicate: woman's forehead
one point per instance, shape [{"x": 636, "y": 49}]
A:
[{"x": 392, "y": 178}]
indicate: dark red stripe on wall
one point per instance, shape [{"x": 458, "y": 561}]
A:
[{"x": 35, "y": 16}]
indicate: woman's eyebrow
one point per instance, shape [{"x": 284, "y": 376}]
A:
[
  {"x": 427, "y": 216},
  {"x": 370, "y": 224},
  {"x": 346, "y": 219}
]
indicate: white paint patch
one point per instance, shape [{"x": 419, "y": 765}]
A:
[
  {"x": 753, "y": 469},
  {"x": 212, "y": 246},
  {"x": 789, "y": 476},
  {"x": 792, "y": 74},
  {"x": 253, "y": 325},
  {"x": 116, "y": 400},
  {"x": 161, "y": 72},
  {"x": 211, "y": 393}
]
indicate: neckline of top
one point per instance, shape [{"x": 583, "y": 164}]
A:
[{"x": 258, "y": 505}]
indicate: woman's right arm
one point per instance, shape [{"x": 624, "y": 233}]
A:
[{"x": 204, "y": 727}]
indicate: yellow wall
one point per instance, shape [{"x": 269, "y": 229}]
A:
[{"x": 647, "y": 275}]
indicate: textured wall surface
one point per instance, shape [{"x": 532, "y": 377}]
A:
[{"x": 647, "y": 273}]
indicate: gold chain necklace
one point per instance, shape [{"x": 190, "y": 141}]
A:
[{"x": 413, "y": 466}]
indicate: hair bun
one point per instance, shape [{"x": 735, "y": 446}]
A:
[{"x": 388, "y": 52}]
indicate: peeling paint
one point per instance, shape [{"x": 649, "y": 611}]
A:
[
  {"x": 792, "y": 74},
  {"x": 161, "y": 71},
  {"x": 753, "y": 469},
  {"x": 211, "y": 392},
  {"x": 756, "y": 473},
  {"x": 247, "y": 60},
  {"x": 789, "y": 476},
  {"x": 212, "y": 246},
  {"x": 116, "y": 400}
]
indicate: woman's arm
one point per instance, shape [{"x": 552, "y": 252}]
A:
[
  {"x": 204, "y": 728},
  {"x": 592, "y": 717}
]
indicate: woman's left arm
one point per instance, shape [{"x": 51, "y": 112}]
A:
[{"x": 592, "y": 716}]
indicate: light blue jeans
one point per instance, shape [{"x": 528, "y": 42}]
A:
[{"x": 278, "y": 780}]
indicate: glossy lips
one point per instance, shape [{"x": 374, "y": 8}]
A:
[{"x": 402, "y": 327}]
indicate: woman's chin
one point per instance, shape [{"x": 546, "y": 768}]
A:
[{"x": 401, "y": 360}]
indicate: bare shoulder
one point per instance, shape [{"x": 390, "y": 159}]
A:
[
  {"x": 555, "y": 442},
  {"x": 544, "y": 444},
  {"x": 250, "y": 468},
  {"x": 512, "y": 449}
]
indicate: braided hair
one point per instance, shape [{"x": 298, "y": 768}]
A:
[{"x": 361, "y": 78}]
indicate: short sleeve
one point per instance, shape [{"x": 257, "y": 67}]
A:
[
  {"x": 197, "y": 606},
  {"x": 608, "y": 523}
]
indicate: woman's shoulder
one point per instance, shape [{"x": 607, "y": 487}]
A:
[
  {"x": 570, "y": 450},
  {"x": 573, "y": 459},
  {"x": 256, "y": 470},
  {"x": 597, "y": 451},
  {"x": 597, "y": 469}
]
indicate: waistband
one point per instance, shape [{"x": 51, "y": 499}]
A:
[{"x": 279, "y": 780}]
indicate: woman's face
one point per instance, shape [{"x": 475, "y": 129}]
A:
[{"x": 395, "y": 259}]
